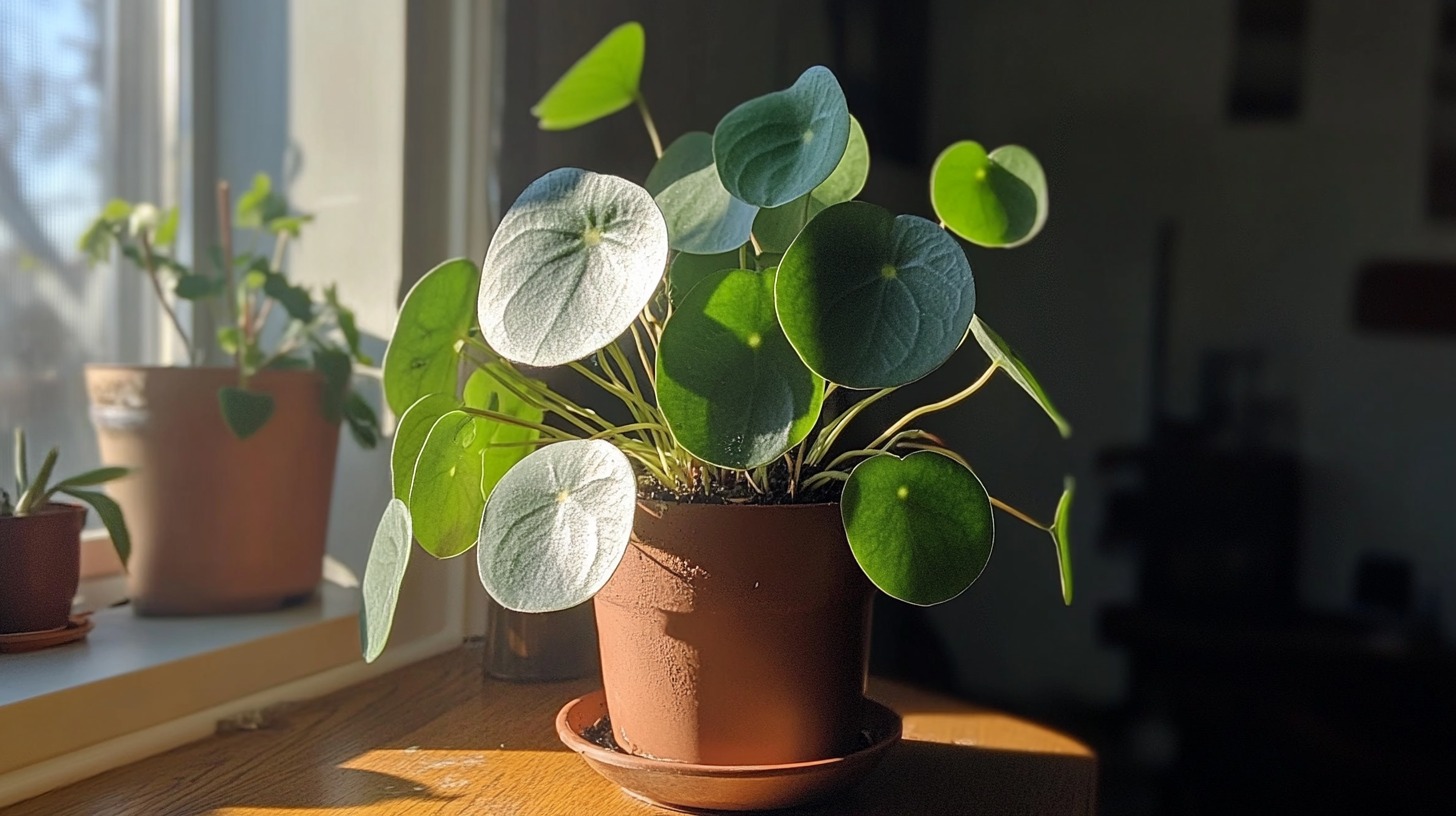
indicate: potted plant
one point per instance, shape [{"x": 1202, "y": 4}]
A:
[
  {"x": 40, "y": 540},
  {"x": 741, "y": 310},
  {"x": 235, "y": 463}
]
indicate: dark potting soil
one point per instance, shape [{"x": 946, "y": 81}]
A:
[{"x": 739, "y": 491}]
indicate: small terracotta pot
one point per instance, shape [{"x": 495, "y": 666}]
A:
[
  {"x": 735, "y": 635},
  {"x": 40, "y": 565},
  {"x": 218, "y": 524}
]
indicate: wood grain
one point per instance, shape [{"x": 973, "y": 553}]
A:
[{"x": 436, "y": 739}]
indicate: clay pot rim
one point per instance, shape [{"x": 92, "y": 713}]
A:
[
  {"x": 735, "y": 505},
  {"x": 53, "y": 508},
  {"x": 210, "y": 369},
  {"x": 885, "y": 720}
]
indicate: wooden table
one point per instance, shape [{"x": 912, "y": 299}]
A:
[{"x": 434, "y": 739}]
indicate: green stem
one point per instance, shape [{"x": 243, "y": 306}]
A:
[
  {"x": 830, "y": 434},
  {"x": 651, "y": 126},
  {"x": 150, "y": 263},
  {"x": 1017, "y": 514},
  {"x": 554, "y": 433},
  {"x": 824, "y": 477},
  {"x": 935, "y": 406}
]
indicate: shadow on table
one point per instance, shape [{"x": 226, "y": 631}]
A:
[{"x": 937, "y": 779}]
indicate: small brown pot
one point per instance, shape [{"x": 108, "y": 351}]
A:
[
  {"x": 735, "y": 635},
  {"x": 40, "y": 565},
  {"x": 219, "y": 524}
]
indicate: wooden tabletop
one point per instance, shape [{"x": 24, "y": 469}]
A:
[{"x": 435, "y": 739}]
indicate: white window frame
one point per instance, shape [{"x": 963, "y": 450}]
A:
[{"x": 441, "y": 601}]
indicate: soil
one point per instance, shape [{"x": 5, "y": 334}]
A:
[
  {"x": 739, "y": 491},
  {"x": 600, "y": 733}
]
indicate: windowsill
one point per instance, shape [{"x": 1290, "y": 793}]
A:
[
  {"x": 139, "y": 686},
  {"x": 123, "y": 643}
]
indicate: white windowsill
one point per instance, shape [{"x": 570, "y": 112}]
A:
[{"x": 123, "y": 643}]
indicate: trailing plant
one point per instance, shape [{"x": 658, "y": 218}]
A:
[
  {"x": 241, "y": 288},
  {"x": 33, "y": 495},
  {"x": 741, "y": 310}
]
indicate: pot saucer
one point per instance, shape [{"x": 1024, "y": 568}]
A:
[
  {"x": 712, "y": 788},
  {"x": 75, "y": 629}
]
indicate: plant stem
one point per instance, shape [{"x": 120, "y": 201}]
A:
[
  {"x": 1012, "y": 511},
  {"x": 651, "y": 126},
  {"x": 935, "y": 406},
  {"x": 830, "y": 434},
  {"x": 225, "y": 238},
  {"x": 824, "y": 477},
  {"x": 555, "y": 433},
  {"x": 150, "y": 262}
]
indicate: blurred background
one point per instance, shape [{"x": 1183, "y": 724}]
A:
[{"x": 1244, "y": 301}]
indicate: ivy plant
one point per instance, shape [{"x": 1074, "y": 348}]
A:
[
  {"x": 34, "y": 493},
  {"x": 242, "y": 287},
  {"x": 742, "y": 309}
]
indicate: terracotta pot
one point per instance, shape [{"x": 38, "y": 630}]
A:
[
  {"x": 218, "y": 524},
  {"x": 40, "y": 565},
  {"x": 735, "y": 635}
]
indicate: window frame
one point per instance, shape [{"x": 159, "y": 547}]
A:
[{"x": 441, "y": 602}]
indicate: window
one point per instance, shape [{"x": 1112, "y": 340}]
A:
[{"x": 71, "y": 131}]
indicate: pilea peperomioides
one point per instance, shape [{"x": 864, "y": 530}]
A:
[{"x": 721, "y": 305}]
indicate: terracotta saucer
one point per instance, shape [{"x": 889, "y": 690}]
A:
[
  {"x": 75, "y": 629},
  {"x": 708, "y": 788}
]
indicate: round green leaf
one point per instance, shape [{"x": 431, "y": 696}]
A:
[
  {"x": 995, "y": 200},
  {"x": 920, "y": 527},
  {"x": 1061, "y": 535},
  {"x": 383, "y": 575},
  {"x": 436, "y": 315},
  {"x": 729, "y": 384},
  {"x": 701, "y": 216},
  {"x": 504, "y": 447},
  {"x": 872, "y": 300},
  {"x": 1003, "y": 355},
  {"x": 850, "y": 175},
  {"x": 775, "y": 148},
  {"x": 777, "y": 227},
  {"x": 572, "y": 264},
  {"x": 688, "y": 270},
  {"x": 601, "y": 83},
  {"x": 445, "y": 496},
  {"x": 557, "y": 526},
  {"x": 409, "y": 438}
]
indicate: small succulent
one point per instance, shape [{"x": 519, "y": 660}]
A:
[{"x": 32, "y": 495}]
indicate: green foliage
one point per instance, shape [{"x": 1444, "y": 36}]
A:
[
  {"x": 557, "y": 526},
  {"x": 920, "y": 527},
  {"x": 996, "y": 199},
  {"x": 782, "y": 145},
  {"x": 716, "y": 309},
  {"x": 913, "y": 296},
  {"x": 599, "y": 84},
  {"x": 702, "y": 217},
  {"x": 436, "y": 317},
  {"x": 383, "y": 576},
  {"x": 32, "y": 495},
  {"x": 729, "y": 384},
  {"x": 240, "y": 292},
  {"x": 572, "y": 264},
  {"x": 1009, "y": 361}
]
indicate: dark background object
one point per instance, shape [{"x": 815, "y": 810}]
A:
[{"x": 1407, "y": 297}]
